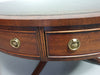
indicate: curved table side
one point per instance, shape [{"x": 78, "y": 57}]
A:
[
  {"x": 51, "y": 20},
  {"x": 55, "y": 20}
]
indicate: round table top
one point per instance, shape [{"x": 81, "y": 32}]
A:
[
  {"x": 48, "y": 7},
  {"x": 49, "y": 12}
]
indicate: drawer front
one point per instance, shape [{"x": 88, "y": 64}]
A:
[
  {"x": 28, "y": 43},
  {"x": 58, "y": 43}
]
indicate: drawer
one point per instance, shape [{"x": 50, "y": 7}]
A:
[
  {"x": 28, "y": 43},
  {"x": 57, "y": 43}
]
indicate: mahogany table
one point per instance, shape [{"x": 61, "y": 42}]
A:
[
  {"x": 51, "y": 39},
  {"x": 59, "y": 37}
]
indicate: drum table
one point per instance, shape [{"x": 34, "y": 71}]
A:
[{"x": 53, "y": 36}]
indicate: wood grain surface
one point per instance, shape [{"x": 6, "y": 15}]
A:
[
  {"x": 50, "y": 22},
  {"x": 47, "y": 39},
  {"x": 28, "y": 42},
  {"x": 58, "y": 44}
]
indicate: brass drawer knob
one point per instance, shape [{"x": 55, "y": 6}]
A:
[
  {"x": 74, "y": 44},
  {"x": 15, "y": 43}
]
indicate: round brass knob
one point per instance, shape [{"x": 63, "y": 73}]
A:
[
  {"x": 15, "y": 43},
  {"x": 74, "y": 44}
]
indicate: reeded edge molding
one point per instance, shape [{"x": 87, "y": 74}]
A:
[
  {"x": 74, "y": 56},
  {"x": 16, "y": 31},
  {"x": 74, "y": 31},
  {"x": 20, "y": 54},
  {"x": 41, "y": 17}
]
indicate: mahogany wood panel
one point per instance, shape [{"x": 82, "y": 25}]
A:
[
  {"x": 50, "y": 22},
  {"x": 58, "y": 33},
  {"x": 58, "y": 44},
  {"x": 28, "y": 41},
  {"x": 42, "y": 43}
]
